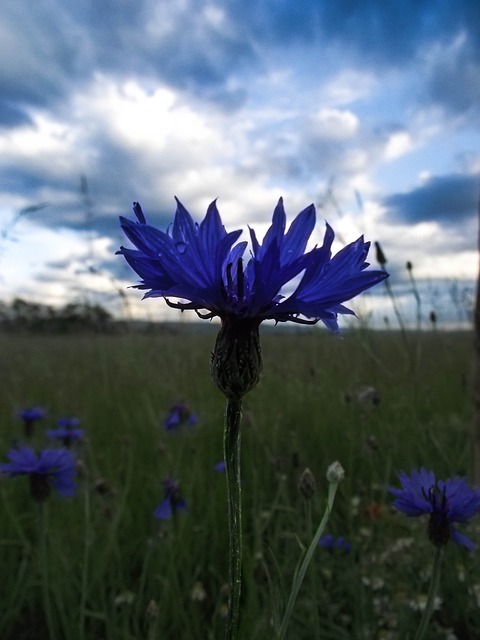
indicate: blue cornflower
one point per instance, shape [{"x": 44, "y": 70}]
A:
[
  {"x": 328, "y": 541},
  {"x": 201, "y": 263},
  {"x": 179, "y": 414},
  {"x": 68, "y": 422},
  {"x": 447, "y": 502},
  {"x": 52, "y": 467},
  {"x": 32, "y": 414},
  {"x": 172, "y": 503},
  {"x": 67, "y": 431},
  {"x": 202, "y": 268},
  {"x": 29, "y": 417}
]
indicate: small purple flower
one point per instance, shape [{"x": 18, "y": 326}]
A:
[
  {"x": 446, "y": 502},
  {"x": 172, "y": 503},
  {"x": 327, "y": 541},
  {"x": 32, "y": 414},
  {"x": 220, "y": 466},
  {"x": 68, "y": 423},
  {"x": 180, "y": 414},
  {"x": 67, "y": 431},
  {"x": 30, "y": 417},
  {"x": 52, "y": 467}
]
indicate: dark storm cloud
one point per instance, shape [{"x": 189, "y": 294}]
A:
[
  {"x": 447, "y": 199},
  {"x": 12, "y": 115},
  {"x": 54, "y": 45},
  {"x": 40, "y": 47},
  {"x": 378, "y": 35},
  {"x": 384, "y": 32},
  {"x": 192, "y": 46},
  {"x": 454, "y": 80}
]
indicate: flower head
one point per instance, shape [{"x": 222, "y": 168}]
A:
[
  {"x": 68, "y": 423},
  {"x": 67, "y": 435},
  {"x": 29, "y": 417},
  {"x": 201, "y": 267},
  {"x": 446, "y": 502},
  {"x": 179, "y": 414},
  {"x": 52, "y": 467},
  {"x": 327, "y": 541},
  {"x": 31, "y": 414},
  {"x": 172, "y": 503}
]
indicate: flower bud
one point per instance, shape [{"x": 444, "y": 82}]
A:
[
  {"x": 335, "y": 473},
  {"x": 381, "y": 259},
  {"x": 237, "y": 358},
  {"x": 307, "y": 484}
]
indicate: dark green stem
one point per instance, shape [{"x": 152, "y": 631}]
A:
[
  {"x": 231, "y": 449},
  {"x": 432, "y": 592},
  {"x": 47, "y": 601}
]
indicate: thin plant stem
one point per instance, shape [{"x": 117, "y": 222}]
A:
[
  {"x": 432, "y": 592},
  {"x": 85, "y": 563},
  {"x": 313, "y": 577},
  {"x": 300, "y": 575},
  {"x": 476, "y": 372},
  {"x": 47, "y": 602},
  {"x": 231, "y": 450}
]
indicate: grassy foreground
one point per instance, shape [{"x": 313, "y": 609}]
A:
[{"x": 110, "y": 570}]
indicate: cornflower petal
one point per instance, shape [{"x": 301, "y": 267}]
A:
[
  {"x": 172, "y": 502},
  {"x": 164, "y": 510},
  {"x": 202, "y": 267},
  {"x": 462, "y": 502},
  {"x": 22, "y": 460},
  {"x": 298, "y": 234},
  {"x": 462, "y": 539}
]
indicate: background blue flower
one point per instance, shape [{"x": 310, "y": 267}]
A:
[
  {"x": 52, "y": 467},
  {"x": 29, "y": 417},
  {"x": 68, "y": 422},
  {"x": 447, "y": 502},
  {"x": 172, "y": 503},
  {"x": 67, "y": 435},
  {"x": 328, "y": 541},
  {"x": 31, "y": 414},
  {"x": 179, "y": 414}
]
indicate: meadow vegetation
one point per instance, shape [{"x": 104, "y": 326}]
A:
[{"x": 111, "y": 571}]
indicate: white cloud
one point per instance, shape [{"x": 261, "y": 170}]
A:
[
  {"x": 399, "y": 144},
  {"x": 47, "y": 144},
  {"x": 33, "y": 248},
  {"x": 333, "y": 124},
  {"x": 347, "y": 87}
]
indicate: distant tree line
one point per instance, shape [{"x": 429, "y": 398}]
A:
[{"x": 23, "y": 316}]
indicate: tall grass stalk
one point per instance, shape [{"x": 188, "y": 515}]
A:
[
  {"x": 432, "y": 592},
  {"x": 44, "y": 570},
  {"x": 85, "y": 562},
  {"x": 302, "y": 570}
]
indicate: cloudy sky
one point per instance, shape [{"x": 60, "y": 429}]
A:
[{"x": 369, "y": 109}]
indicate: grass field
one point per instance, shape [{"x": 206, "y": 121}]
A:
[{"x": 100, "y": 566}]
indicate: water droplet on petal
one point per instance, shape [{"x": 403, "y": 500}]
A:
[{"x": 181, "y": 247}]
